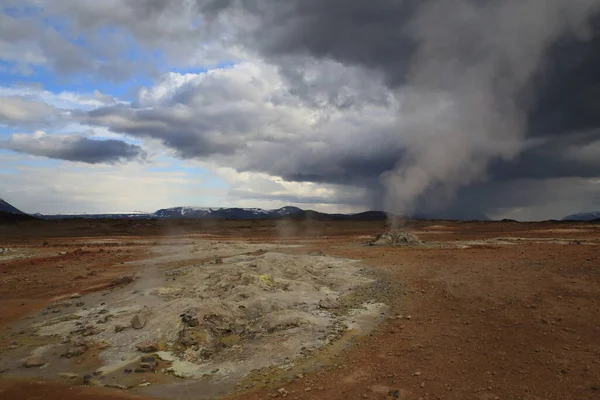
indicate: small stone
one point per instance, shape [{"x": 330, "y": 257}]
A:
[
  {"x": 75, "y": 296},
  {"x": 189, "y": 318},
  {"x": 79, "y": 304},
  {"x": 418, "y": 373},
  {"x": 67, "y": 375},
  {"x": 144, "y": 384},
  {"x": 87, "y": 379},
  {"x": 422, "y": 385},
  {"x": 119, "y": 328},
  {"x": 149, "y": 360},
  {"x": 13, "y": 346},
  {"x": 147, "y": 346},
  {"x": 33, "y": 362},
  {"x": 75, "y": 351},
  {"x": 218, "y": 261},
  {"x": 282, "y": 392},
  {"x": 138, "y": 322},
  {"x": 214, "y": 371},
  {"x": 408, "y": 317},
  {"x": 147, "y": 366},
  {"x": 299, "y": 376},
  {"x": 122, "y": 281}
]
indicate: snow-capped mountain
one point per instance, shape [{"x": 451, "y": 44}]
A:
[
  {"x": 7, "y": 208},
  {"x": 130, "y": 215},
  {"x": 588, "y": 216},
  {"x": 224, "y": 213}
]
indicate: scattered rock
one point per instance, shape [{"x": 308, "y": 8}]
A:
[
  {"x": 138, "y": 322},
  {"x": 328, "y": 303},
  {"x": 205, "y": 354},
  {"x": 187, "y": 338},
  {"x": 147, "y": 346},
  {"x": 33, "y": 362},
  {"x": 189, "y": 318}
]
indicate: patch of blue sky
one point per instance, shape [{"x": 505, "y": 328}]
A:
[
  {"x": 6, "y": 131},
  {"x": 23, "y": 10},
  {"x": 199, "y": 70},
  {"x": 80, "y": 83}
]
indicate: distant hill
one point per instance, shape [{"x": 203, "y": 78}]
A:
[
  {"x": 289, "y": 212},
  {"x": 587, "y": 216},
  {"x": 224, "y": 213},
  {"x": 8, "y": 208}
]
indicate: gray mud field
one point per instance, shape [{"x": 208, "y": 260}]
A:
[{"x": 248, "y": 315}]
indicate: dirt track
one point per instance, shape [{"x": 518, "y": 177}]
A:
[{"x": 495, "y": 320}]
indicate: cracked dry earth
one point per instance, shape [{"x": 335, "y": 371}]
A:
[{"x": 481, "y": 311}]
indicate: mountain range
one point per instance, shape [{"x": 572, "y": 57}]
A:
[
  {"x": 288, "y": 212},
  {"x": 587, "y": 216}
]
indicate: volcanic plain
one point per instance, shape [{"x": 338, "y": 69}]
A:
[{"x": 191, "y": 309}]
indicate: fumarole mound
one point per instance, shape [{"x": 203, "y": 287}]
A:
[{"x": 393, "y": 238}]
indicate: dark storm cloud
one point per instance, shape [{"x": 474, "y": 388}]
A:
[
  {"x": 367, "y": 33},
  {"x": 567, "y": 95},
  {"x": 73, "y": 148},
  {"x": 438, "y": 94}
]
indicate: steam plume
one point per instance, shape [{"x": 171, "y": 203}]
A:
[{"x": 466, "y": 100}]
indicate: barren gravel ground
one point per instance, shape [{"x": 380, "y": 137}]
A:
[{"x": 486, "y": 311}]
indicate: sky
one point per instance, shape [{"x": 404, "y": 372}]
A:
[{"x": 439, "y": 108}]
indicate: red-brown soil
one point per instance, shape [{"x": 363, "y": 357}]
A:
[{"x": 493, "y": 321}]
